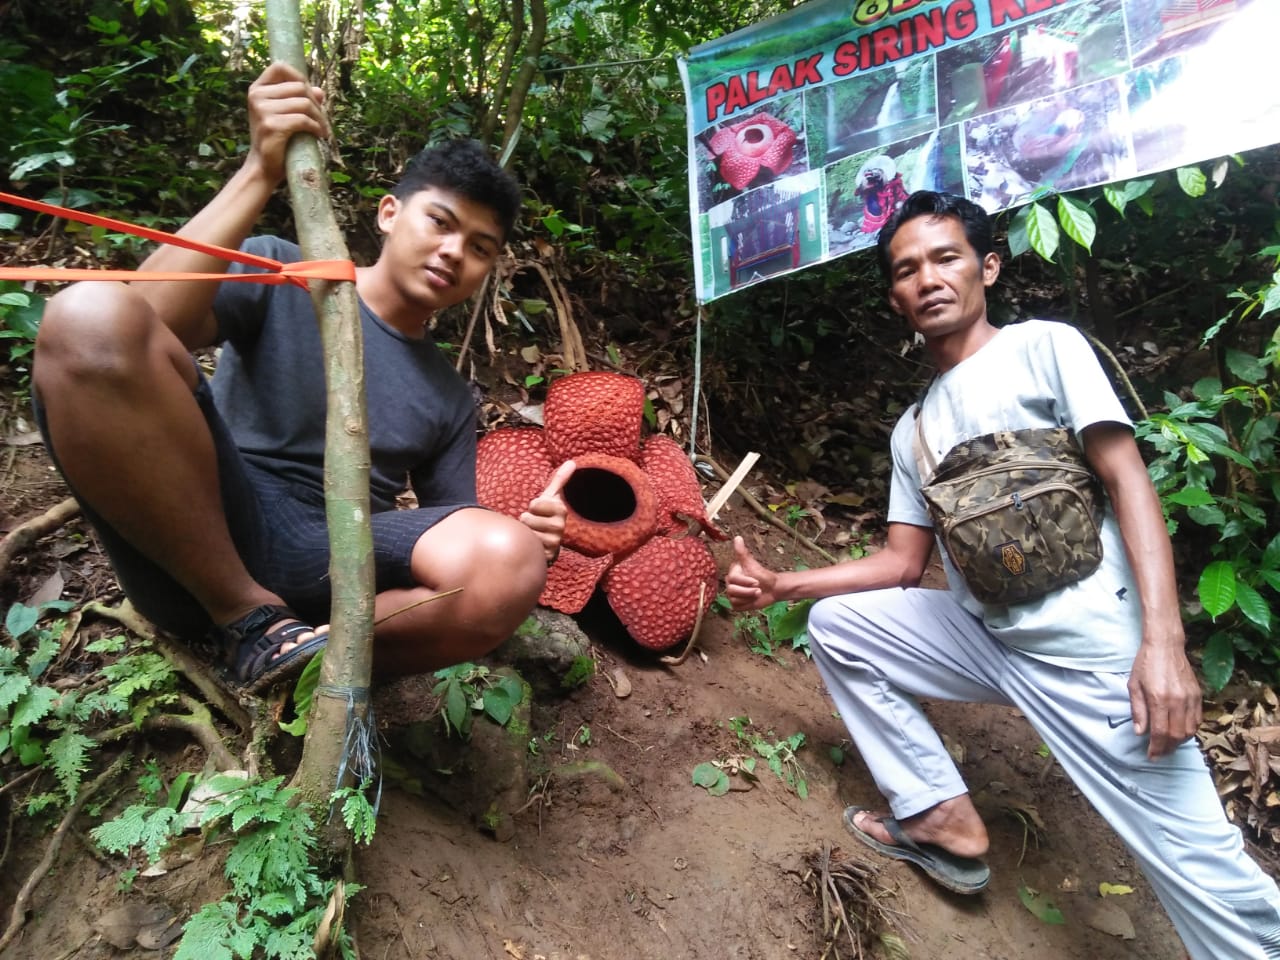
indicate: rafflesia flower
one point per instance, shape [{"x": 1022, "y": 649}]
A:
[
  {"x": 761, "y": 140},
  {"x": 635, "y": 509}
]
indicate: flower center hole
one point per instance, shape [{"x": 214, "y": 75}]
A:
[
  {"x": 753, "y": 135},
  {"x": 599, "y": 496}
]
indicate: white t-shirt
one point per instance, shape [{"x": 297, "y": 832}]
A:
[{"x": 1031, "y": 374}]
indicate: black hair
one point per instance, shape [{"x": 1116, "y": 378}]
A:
[
  {"x": 927, "y": 203},
  {"x": 466, "y": 168}
]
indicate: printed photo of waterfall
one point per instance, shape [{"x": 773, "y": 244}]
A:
[
  {"x": 866, "y": 111},
  {"x": 1035, "y": 59},
  {"x": 864, "y": 189}
]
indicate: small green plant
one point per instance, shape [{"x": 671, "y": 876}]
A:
[
  {"x": 41, "y": 726},
  {"x": 1217, "y": 471},
  {"x": 467, "y": 689},
  {"x": 277, "y": 897},
  {"x": 582, "y": 669},
  {"x": 774, "y": 628},
  {"x": 20, "y": 314},
  {"x": 779, "y": 756}
]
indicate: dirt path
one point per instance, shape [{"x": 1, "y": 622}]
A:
[
  {"x": 656, "y": 867},
  {"x": 660, "y": 869}
]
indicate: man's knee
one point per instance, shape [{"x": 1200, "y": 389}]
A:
[
  {"x": 495, "y": 558},
  {"x": 93, "y": 331}
]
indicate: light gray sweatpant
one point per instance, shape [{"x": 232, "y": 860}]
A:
[{"x": 879, "y": 650}]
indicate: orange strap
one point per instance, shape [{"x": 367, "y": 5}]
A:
[{"x": 277, "y": 272}]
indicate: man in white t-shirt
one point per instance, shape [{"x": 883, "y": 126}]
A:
[{"x": 1098, "y": 667}]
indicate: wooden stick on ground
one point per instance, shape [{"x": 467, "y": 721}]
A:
[
  {"x": 766, "y": 514},
  {"x": 27, "y": 533},
  {"x": 730, "y": 485}
]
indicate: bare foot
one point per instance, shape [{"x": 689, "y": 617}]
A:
[{"x": 953, "y": 825}]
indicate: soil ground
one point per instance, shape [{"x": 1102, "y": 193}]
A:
[{"x": 649, "y": 866}]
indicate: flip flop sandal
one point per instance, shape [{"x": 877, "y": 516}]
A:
[
  {"x": 252, "y": 645},
  {"x": 956, "y": 873}
]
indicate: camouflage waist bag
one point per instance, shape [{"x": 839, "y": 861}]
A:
[{"x": 1018, "y": 511}]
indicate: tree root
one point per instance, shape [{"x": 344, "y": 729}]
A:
[
  {"x": 198, "y": 724},
  {"x": 18, "y": 915},
  {"x": 27, "y": 533},
  {"x": 181, "y": 658},
  {"x": 693, "y": 637},
  {"x": 764, "y": 512}
]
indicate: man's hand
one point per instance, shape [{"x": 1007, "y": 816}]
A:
[
  {"x": 282, "y": 103},
  {"x": 1164, "y": 696},
  {"x": 547, "y": 512},
  {"x": 749, "y": 584}
]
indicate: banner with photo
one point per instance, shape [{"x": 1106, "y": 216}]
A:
[{"x": 807, "y": 129}]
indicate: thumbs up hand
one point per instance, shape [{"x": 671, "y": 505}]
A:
[
  {"x": 749, "y": 584},
  {"x": 547, "y": 512}
]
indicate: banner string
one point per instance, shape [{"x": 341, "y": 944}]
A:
[
  {"x": 276, "y": 272},
  {"x": 697, "y": 386}
]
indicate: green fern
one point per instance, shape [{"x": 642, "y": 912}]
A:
[
  {"x": 69, "y": 756},
  {"x": 140, "y": 825}
]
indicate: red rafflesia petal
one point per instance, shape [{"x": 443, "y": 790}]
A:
[
  {"x": 572, "y": 579},
  {"x": 675, "y": 480},
  {"x": 612, "y": 506},
  {"x": 744, "y": 147},
  {"x": 512, "y": 467},
  {"x": 598, "y": 412},
  {"x": 655, "y": 591}
]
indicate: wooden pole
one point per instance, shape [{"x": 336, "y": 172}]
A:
[{"x": 348, "y": 658}]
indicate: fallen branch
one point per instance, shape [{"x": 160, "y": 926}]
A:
[
  {"x": 27, "y": 533},
  {"x": 18, "y": 915},
  {"x": 767, "y": 514}
]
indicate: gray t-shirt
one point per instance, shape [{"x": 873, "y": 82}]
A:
[
  {"x": 270, "y": 389},
  {"x": 1032, "y": 374}
]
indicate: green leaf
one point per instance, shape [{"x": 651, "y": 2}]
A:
[
  {"x": 1078, "y": 221},
  {"x": 1218, "y": 660},
  {"x": 714, "y": 780},
  {"x": 1115, "y": 196},
  {"x": 1192, "y": 181},
  {"x": 1217, "y": 588},
  {"x": 455, "y": 707},
  {"x": 1040, "y": 905},
  {"x": 1245, "y": 366},
  {"x": 206, "y": 934},
  {"x": 1271, "y": 555},
  {"x": 498, "y": 705},
  {"x": 1253, "y": 606},
  {"x": 1017, "y": 239},
  {"x": 34, "y": 706},
  {"x": 791, "y": 622},
  {"x": 1042, "y": 231},
  {"x": 304, "y": 692},
  {"x": 12, "y": 687},
  {"x": 20, "y": 619},
  {"x": 70, "y": 756},
  {"x": 1190, "y": 497}
]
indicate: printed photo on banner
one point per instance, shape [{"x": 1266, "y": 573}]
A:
[
  {"x": 770, "y": 230},
  {"x": 807, "y": 129},
  {"x": 1064, "y": 49},
  {"x": 1047, "y": 146},
  {"x": 864, "y": 190}
]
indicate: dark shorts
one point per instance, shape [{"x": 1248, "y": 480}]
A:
[{"x": 279, "y": 530}]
